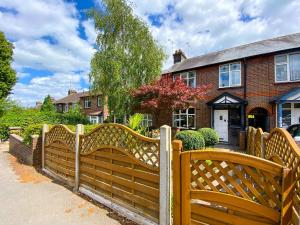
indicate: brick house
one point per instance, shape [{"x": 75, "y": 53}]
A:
[
  {"x": 91, "y": 105},
  {"x": 256, "y": 84}
]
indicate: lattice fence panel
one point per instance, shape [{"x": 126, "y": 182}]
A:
[
  {"x": 59, "y": 153},
  {"x": 234, "y": 177},
  {"x": 281, "y": 146},
  {"x": 258, "y": 142},
  {"x": 62, "y": 134},
  {"x": 118, "y": 136}
]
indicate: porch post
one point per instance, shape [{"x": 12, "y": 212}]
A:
[
  {"x": 79, "y": 131},
  {"x": 279, "y": 116},
  {"x": 165, "y": 176}
]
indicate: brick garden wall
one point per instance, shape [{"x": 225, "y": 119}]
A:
[{"x": 31, "y": 155}]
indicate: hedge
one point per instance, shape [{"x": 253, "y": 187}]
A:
[
  {"x": 210, "y": 136},
  {"x": 192, "y": 140}
]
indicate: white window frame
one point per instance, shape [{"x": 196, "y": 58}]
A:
[
  {"x": 86, "y": 102},
  {"x": 187, "y": 119},
  {"x": 66, "y": 109},
  {"x": 147, "y": 120},
  {"x": 187, "y": 74},
  {"x": 98, "y": 101},
  {"x": 229, "y": 86},
  {"x": 94, "y": 118},
  {"x": 288, "y": 68}
]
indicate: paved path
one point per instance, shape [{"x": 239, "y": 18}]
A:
[{"x": 29, "y": 198}]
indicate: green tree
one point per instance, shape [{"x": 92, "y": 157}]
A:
[
  {"x": 127, "y": 55},
  {"x": 7, "y": 74},
  {"x": 48, "y": 105}
]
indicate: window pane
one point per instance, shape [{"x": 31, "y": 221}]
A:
[
  {"x": 295, "y": 66},
  {"x": 235, "y": 66},
  {"x": 191, "y": 110},
  {"x": 281, "y": 73},
  {"x": 281, "y": 59},
  {"x": 191, "y": 121},
  {"x": 287, "y": 106},
  {"x": 224, "y": 79},
  {"x": 296, "y": 105},
  {"x": 235, "y": 78},
  {"x": 224, "y": 68},
  {"x": 286, "y": 117},
  {"x": 191, "y": 74},
  {"x": 183, "y": 120},
  {"x": 192, "y": 82},
  {"x": 183, "y": 75}
]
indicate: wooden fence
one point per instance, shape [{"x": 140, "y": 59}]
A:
[
  {"x": 218, "y": 187},
  {"x": 113, "y": 165},
  {"x": 279, "y": 147}
]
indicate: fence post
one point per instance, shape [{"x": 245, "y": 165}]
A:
[
  {"x": 165, "y": 176},
  {"x": 177, "y": 146},
  {"x": 79, "y": 131},
  {"x": 45, "y": 129}
]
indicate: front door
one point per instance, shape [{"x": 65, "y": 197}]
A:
[
  {"x": 221, "y": 124},
  {"x": 296, "y": 116}
]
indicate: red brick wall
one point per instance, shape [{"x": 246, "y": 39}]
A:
[
  {"x": 260, "y": 89},
  {"x": 94, "y": 106}
]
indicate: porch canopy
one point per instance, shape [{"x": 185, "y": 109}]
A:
[
  {"x": 227, "y": 99},
  {"x": 288, "y": 114}
]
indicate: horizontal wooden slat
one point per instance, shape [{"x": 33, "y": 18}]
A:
[
  {"x": 129, "y": 196},
  {"x": 70, "y": 155},
  {"x": 224, "y": 216},
  {"x": 148, "y": 190},
  {"x": 129, "y": 171},
  {"x": 60, "y": 161},
  {"x": 237, "y": 202},
  {"x": 57, "y": 167}
]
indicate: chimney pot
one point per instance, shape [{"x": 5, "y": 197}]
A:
[{"x": 179, "y": 56}]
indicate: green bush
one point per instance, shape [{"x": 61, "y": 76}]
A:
[
  {"x": 192, "y": 140},
  {"x": 31, "y": 130},
  {"x": 210, "y": 136}
]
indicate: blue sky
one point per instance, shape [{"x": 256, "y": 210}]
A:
[{"x": 54, "y": 40}]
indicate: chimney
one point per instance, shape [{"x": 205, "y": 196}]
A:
[
  {"x": 71, "y": 92},
  {"x": 179, "y": 56}
]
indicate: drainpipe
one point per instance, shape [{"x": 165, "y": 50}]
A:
[{"x": 245, "y": 90}]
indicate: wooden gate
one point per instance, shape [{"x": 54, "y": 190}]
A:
[
  {"x": 59, "y": 153},
  {"x": 121, "y": 166},
  {"x": 218, "y": 187}
]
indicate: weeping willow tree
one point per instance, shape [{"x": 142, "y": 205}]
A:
[{"x": 127, "y": 55}]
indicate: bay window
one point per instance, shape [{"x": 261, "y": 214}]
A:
[
  {"x": 189, "y": 78},
  {"x": 287, "y": 67},
  {"x": 185, "y": 119},
  {"x": 230, "y": 75}
]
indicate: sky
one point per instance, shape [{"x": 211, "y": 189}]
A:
[{"x": 54, "y": 39}]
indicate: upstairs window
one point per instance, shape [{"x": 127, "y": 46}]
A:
[
  {"x": 87, "y": 102},
  {"x": 230, "y": 75},
  {"x": 189, "y": 78},
  {"x": 185, "y": 119},
  {"x": 287, "y": 67},
  {"x": 99, "y": 101}
]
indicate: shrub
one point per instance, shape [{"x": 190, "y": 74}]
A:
[
  {"x": 192, "y": 140},
  {"x": 90, "y": 127},
  {"x": 210, "y": 136},
  {"x": 135, "y": 123},
  {"x": 31, "y": 130}
]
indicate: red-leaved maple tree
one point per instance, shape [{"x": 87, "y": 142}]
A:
[{"x": 166, "y": 94}]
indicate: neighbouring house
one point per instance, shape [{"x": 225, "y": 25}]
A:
[
  {"x": 255, "y": 84},
  {"x": 91, "y": 105}
]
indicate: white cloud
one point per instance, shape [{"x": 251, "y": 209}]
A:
[
  {"x": 199, "y": 27},
  {"x": 39, "y": 87},
  {"x": 46, "y": 36},
  {"x": 90, "y": 31}
]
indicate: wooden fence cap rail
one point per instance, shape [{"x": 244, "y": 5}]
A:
[{"x": 235, "y": 157}]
